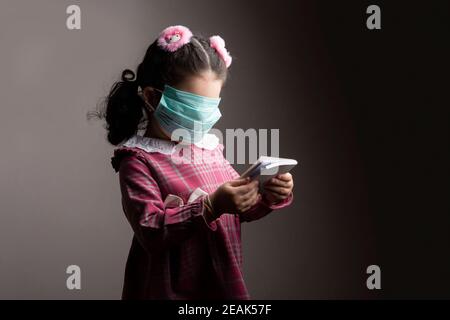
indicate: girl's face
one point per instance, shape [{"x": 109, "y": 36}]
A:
[{"x": 205, "y": 84}]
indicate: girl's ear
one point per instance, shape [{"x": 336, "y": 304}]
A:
[{"x": 151, "y": 96}]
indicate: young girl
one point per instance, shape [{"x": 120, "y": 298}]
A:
[{"x": 186, "y": 216}]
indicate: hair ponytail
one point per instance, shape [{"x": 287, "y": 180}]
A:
[{"x": 123, "y": 109}]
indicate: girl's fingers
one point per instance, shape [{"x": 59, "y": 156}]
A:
[
  {"x": 278, "y": 190},
  {"x": 285, "y": 176},
  {"x": 257, "y": 199},
  {"x": 247, "y": 204},
  {"x": 278, "y": 182},
  {"x": 249, "y": 198},
  {"x": 252, "y": 202},
  {"x": 249, "y": 194},
  {"x": 239, "y": 182},
  {"x": 244, "y": 189}
]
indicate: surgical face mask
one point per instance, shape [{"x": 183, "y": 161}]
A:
[{"x": 194, "y": 114}]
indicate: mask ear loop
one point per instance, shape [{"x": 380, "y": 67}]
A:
[
  {"x": 141, "y": 94},
  {"x": 148, "y": 106}
]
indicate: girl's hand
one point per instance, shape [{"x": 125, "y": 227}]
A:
[
  {"x": 278, "y": 188},
  {"x": 235, "y": 196}
]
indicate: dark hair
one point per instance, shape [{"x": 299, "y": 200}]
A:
[{"x": 123, "y": 107}]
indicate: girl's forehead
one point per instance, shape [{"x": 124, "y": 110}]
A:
[{"x": 205, "y": 84}]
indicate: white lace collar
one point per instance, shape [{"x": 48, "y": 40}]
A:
[{"x": 209, "y": 141}]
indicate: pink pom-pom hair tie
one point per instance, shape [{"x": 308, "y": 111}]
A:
[
  {"x": 174, "y": 37},
  {"x": 218, "y": 44}
]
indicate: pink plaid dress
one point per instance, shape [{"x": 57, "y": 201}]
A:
[{"x": 175, "y": 252}]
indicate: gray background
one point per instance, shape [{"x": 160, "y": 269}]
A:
[{"x": 60, "y": 198}]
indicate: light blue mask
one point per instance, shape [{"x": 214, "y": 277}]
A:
[{"x": 193, "y": 113}]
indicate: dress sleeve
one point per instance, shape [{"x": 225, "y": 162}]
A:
[
  {"x": 157, "y": 228},
  {"x": 261, "y": 208}
]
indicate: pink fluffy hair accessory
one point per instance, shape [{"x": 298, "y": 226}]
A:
[
  {"x": 218, "y": 44},
  {"x": 174, "y": 37}
]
